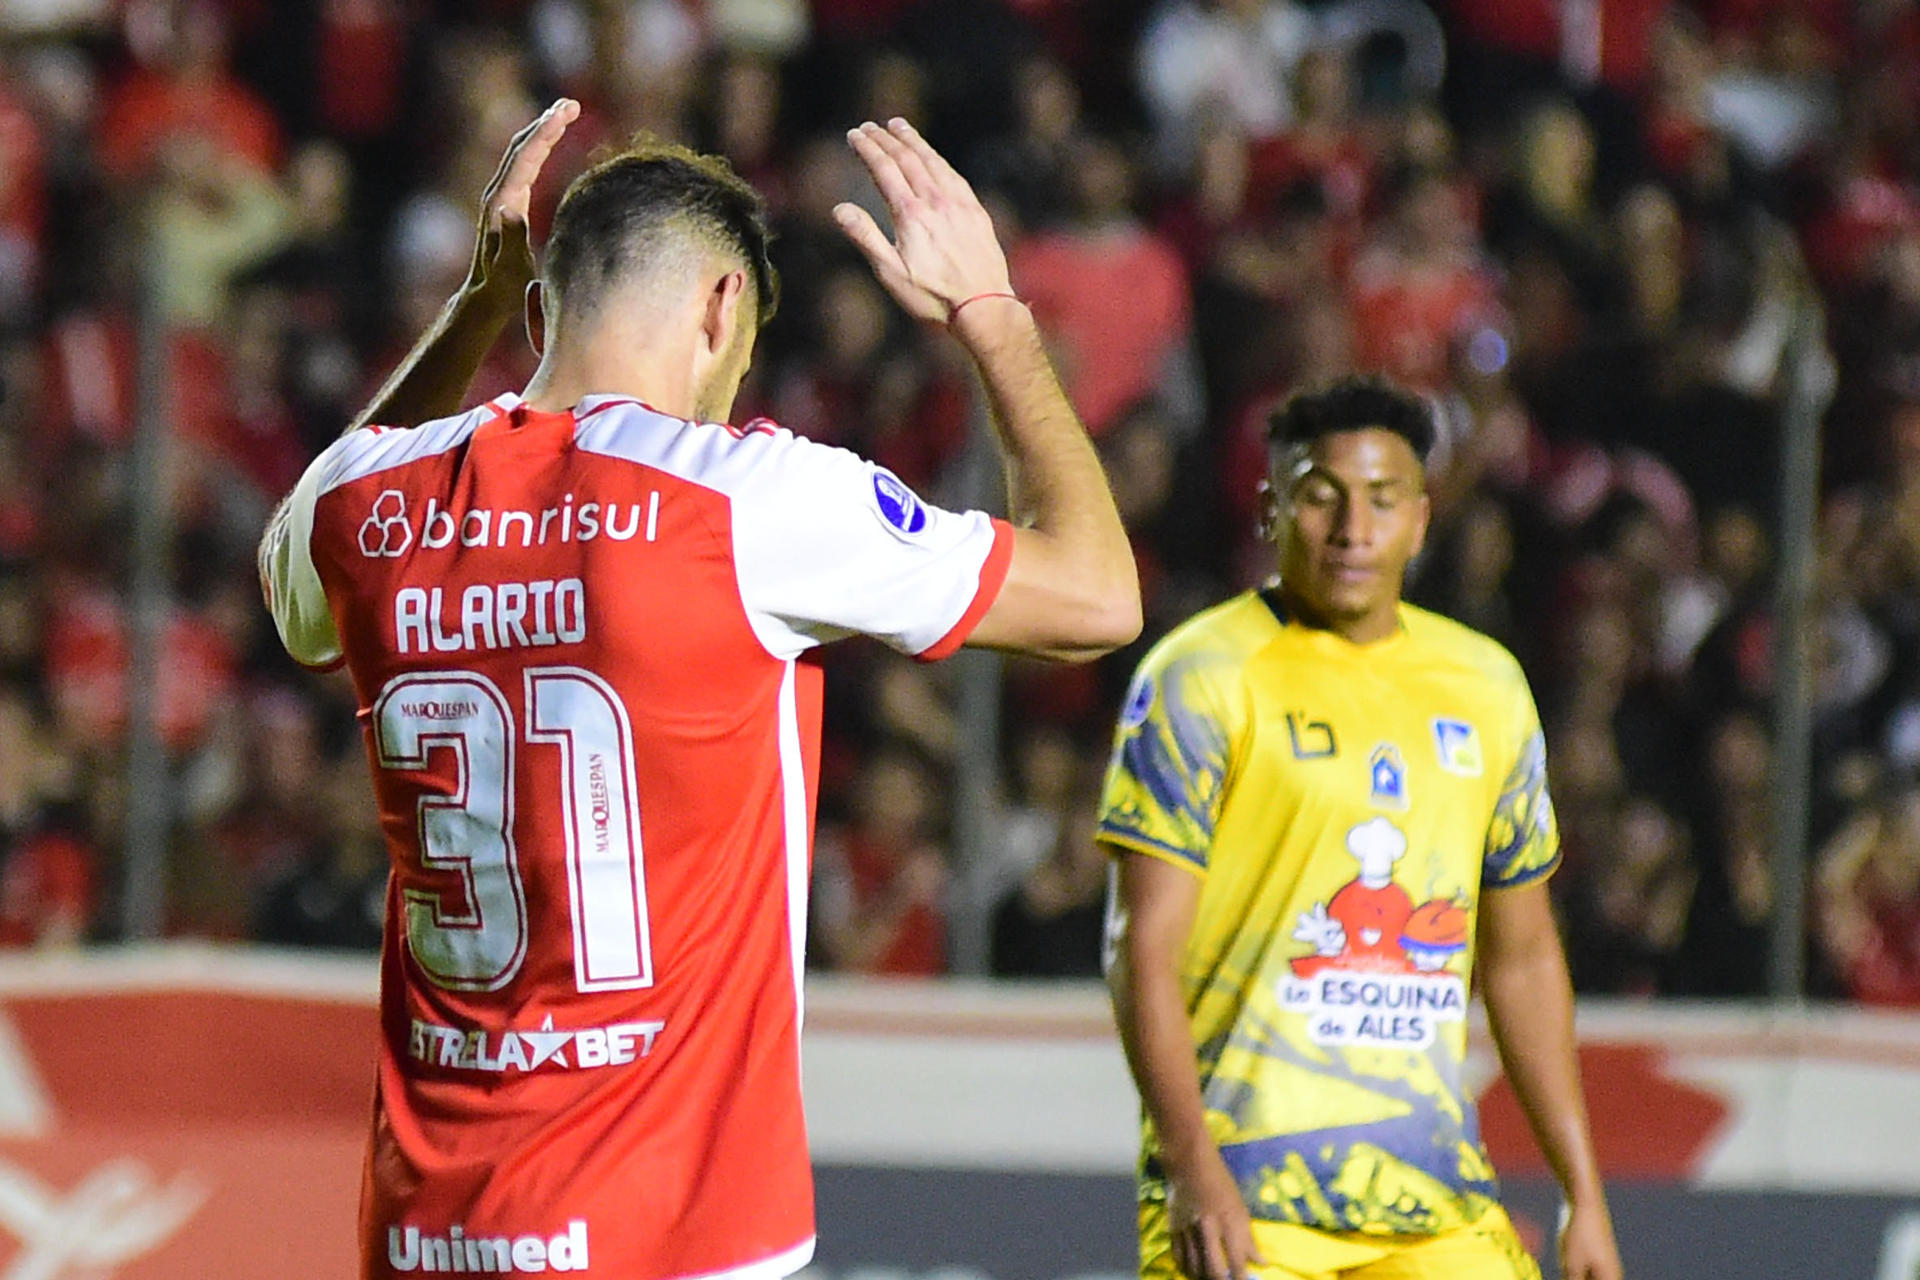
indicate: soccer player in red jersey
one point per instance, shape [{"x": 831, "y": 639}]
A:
[{"x": 578, "y": 622}]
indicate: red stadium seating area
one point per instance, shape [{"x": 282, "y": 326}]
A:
[{"x": 1587, "y": 246}]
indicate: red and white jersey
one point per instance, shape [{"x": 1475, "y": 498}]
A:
[{"x": 577, "y": 642}]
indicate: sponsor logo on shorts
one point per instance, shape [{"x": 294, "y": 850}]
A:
[{"x": 461, "y": 1250}]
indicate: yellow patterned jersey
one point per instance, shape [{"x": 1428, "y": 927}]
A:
[{"x": 1344, "y": 806}]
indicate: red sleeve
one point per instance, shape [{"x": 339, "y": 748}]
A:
[{"x": 993, "y": 575}]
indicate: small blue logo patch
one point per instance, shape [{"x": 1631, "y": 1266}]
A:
[
  {"x": 1139, "y": 703},
  {"x": 899, "y": 507},
  {"x": 1387, "y": 774},
  {"x": 1459, "y": 746}
]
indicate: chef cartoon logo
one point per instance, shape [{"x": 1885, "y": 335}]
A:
[{"x": 1376, "y": 974}]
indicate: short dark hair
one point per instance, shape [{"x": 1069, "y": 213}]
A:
[
  {"x": 1353, "y": 404},
  {"x": 623, "y": 202}
]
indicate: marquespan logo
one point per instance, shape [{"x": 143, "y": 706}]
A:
[{"x": 386, "y": 531}]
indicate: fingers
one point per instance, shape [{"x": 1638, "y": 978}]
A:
[
  {"x": 1183, "y": 1260},
  {"x": 935, "y": 163},
  {"x": 860, "y": 228},
  {"x": 511, "y": 192},
  {"x": 912, "y": 162},
  {"x": 1242, "y": 1253},
  {"x": 506, "y": 158},
  {"x": 888, "y": 267},
  {"x": 1216, "y": 1265},
  {"x": 1251, "y": 1255},
  {"x": 882, "y": 165},
  {"x": 1199, "y": 1252}
]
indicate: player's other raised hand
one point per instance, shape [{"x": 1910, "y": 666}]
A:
[
  {"x": 944, "y": 250},
  {"x": 503, "y": 262},
  {"x": 432, "y": 381}
]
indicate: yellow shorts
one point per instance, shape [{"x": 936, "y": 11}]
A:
[{"x": 1486, "y": 1249}]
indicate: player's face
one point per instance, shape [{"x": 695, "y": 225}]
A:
[{"x": 1350, "y": 513}]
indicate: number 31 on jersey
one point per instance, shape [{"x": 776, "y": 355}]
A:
[{"x": 477, "y": 940}]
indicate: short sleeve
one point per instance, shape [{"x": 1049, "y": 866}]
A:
[
  {"x": 1167, "y": 778},
  {"x": 291, "y": 584},
  {"x": 827, "y": 544},
  {"x": 1523, "y": 840}
]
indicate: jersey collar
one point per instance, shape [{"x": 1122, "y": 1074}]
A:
[{"x": 1277, "y": 606}]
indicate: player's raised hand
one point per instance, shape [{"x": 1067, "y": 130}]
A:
[
  {"x": 1211, "y": 1229},
  {"x": 1587, "y": 1247},
  {"x": 944, "y": 250},
  {"x": 503, "y": 248}
]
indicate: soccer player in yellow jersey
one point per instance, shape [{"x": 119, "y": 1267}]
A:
[{"x": 1329, "y": 814}]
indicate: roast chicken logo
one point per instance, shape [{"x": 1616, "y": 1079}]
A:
[
  {"x": 1371, "y": 924},
  {"x": 1377, "y": 976}
]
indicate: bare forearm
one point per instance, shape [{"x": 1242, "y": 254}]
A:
[
  {"x": 1045, "y": 446},
  {"x": 1530, "y": 1008},
  {"x": 1154, "y": 1030},
  {"x": 431, "y": 382},
  {"x": 1055, "y": 484}
]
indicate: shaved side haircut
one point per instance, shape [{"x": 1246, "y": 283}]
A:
[{"x": 644, "y": 209}]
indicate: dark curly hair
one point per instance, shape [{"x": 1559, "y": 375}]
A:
[{"x": 1353, "y": 404}]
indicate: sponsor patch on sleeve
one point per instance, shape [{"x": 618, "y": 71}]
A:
[
  {"x": 1134, "y": 714},
  {"x": 899, "y": 508}
]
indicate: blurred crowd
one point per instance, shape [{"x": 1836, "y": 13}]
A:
[{"x": 1603, "y": 237}]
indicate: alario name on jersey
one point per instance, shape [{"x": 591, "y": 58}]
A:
[{"x": 490, "y": 615}]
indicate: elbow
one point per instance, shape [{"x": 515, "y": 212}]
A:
[
  {"x": 1120, "y": 624},
  {"x": 1111, "y": 619},
  {"x": 1124, "y": 615}
]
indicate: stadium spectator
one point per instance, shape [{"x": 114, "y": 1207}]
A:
[
  {"x": 1628, "y": 915},
  {"x": 1869, "y": 901},
  {"x": 1233, "y": 58},
  {"x": 1110, "y": 294},
  {"x": 1587, "y": 253},
  {"x": 1421, "y": 285},
  {"x": 881, "y": 880},
  {"x": 1050, "y": 926},
  {"x": 182, "y": 87}
]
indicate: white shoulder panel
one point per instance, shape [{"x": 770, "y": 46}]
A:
[
  {"x": 374, "y": 449},
  {"x": 291, "y": 584},
  {"x": 825, "y": 543}
]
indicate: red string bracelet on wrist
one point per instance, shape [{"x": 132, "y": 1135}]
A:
[{"x": 955, "y": 313}]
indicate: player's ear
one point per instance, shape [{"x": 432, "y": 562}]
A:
[
  {"x": 723, "y": 315},
  {"x": 1268, "y": 521},
  {"x": 536, "y": 306},
  {"x": 1422, "y": 515}
]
